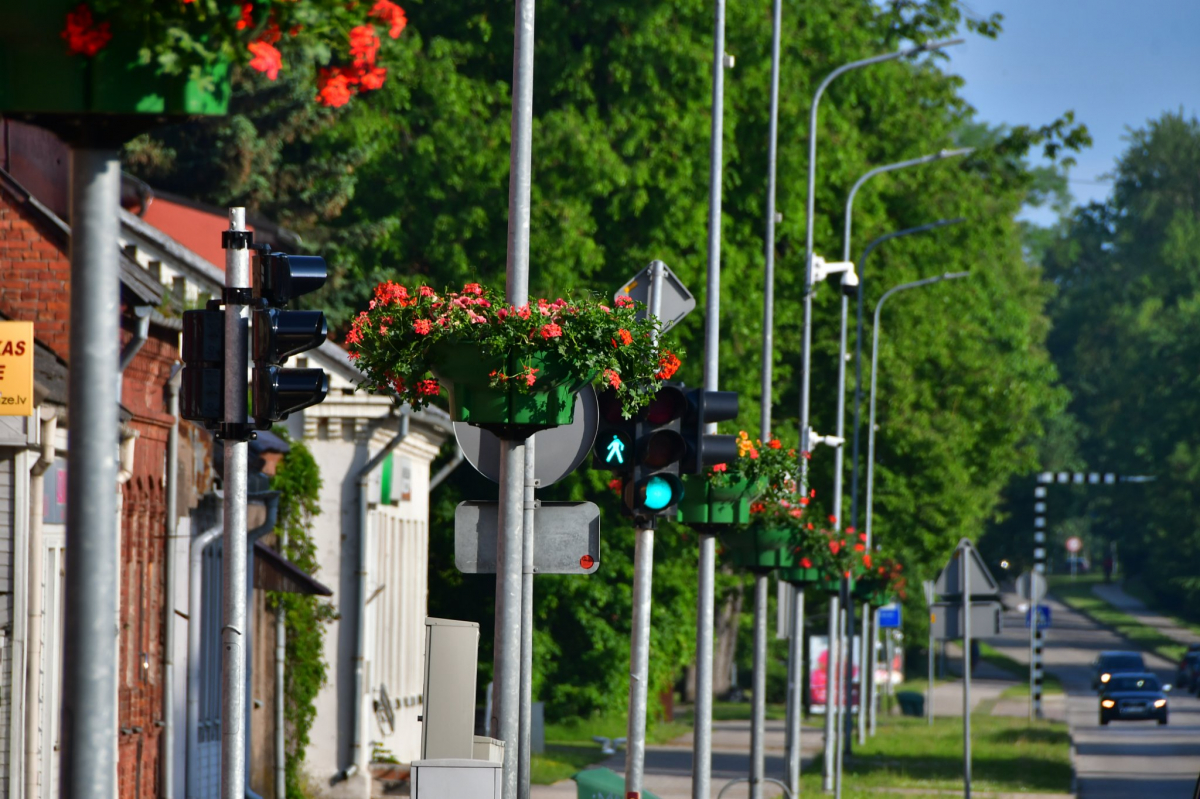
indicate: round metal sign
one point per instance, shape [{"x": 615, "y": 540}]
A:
[
  {"x": 559, "y": 450},
  {"x": 1074, "y": 544}
]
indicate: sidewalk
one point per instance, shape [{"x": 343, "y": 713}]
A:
[{"x": 1114, "y": 595}]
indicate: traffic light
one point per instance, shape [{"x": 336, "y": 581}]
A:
[
  {"x": 615, "y": 434},
  {"x": 658, "y": 448},
  {"x": 202, "y": 386},
  {"x": 278, "y": 334},
  {"x": 708, "y": 449}
]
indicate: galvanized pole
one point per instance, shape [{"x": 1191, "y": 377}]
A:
[
  {"x": 639, "y": 662},
  {"x": 966, "y": 608},
  {"x": 525, "y": 755},
  {"x": 758, "y": 708},
  {"x": 866, "y": 669},
  {"x": 929, "y": 605},
  {"x": 506, "y": 721},
  {"x": 281, "y": 685},
  {"x": 832, "y": 675},
  {"x": 707, "y": 563},
  {"x": 89, "y": 708},
  {"x": 841, "y": 728},
  {"x": 768, "y": 332},
  {"x": 233, "y": 554},
  {"x": 795, "y": 695}
]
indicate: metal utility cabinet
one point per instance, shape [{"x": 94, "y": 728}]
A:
[{"x": 448, "y": 718}]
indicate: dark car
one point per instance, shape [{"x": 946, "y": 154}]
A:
[
  {"x": 1187, "y": 675},
  {"x": 1108, "y": 664},
  {"x": 1133, "y": 697}
]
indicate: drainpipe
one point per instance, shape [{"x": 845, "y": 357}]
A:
[
  {"x": 34, "y": 633},
  {"x": 360, "y": 624},
  {"x": 271, "y": 500},
  {"x": 280, "y": 656},
  {"x": 167, "y": 771},
  {"x": 140, "y": 334},
  {"x": 448, "y": 469},
  {"x": 195, "y": 597}
]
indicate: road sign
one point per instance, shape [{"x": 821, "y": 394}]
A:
[
  {"x": 1043, "y": 620},
  {"x": 945, "y": 620},
  {"x": 566, "y": 537},
  {"x": 1074, "y": 544},
  {"x": 949, "y": 582},
  {"x": 889, "y": 616},
  {"x": 560, "y": 450},
  {"x": 16, "y": 368},
  {"x": 677, "y": 301},
  {"x": 1031, "y": 586}
]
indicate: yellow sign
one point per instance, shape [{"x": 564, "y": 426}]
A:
[{"x": 16, "y": 368}]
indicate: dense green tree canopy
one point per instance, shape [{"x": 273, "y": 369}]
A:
[{"x": 411, "y": 184}]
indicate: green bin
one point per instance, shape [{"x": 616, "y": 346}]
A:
[
  {"x": 602, "y": 783},
  {"x": 911, "y": 703}
]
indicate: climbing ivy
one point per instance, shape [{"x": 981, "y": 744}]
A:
[{"x": 298, "y": 480}]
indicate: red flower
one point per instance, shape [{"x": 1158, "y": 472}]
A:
[
  {"x": 834, "y": 546},
  {"x": 271, "y": 33},
  {"x": 391, "y": 14},
  {"x": 833, "y": 520},
  {"x": 720, "y": 467},
  {"x": 372, "y": 78},
  {"x": 860, "y": 548},
  {"x": 867, "y": 560},
  {"x": 333, "y": 87},
  {"x": 796, "y": 513},
  {"x": 423, "y": 326},
  {"x": 266, "y": 58},
  {"x": 81, "y": 36},
  {"x": 615, "y": 484},
  {"x": 624, "y": 300},
  {"x": 473, "y": 288},
  {"x": 625, "y": 336},
  {"x": 364, "y": 44},
  {"x": 757, "y": 507},
  {"x": 613, "y": 378},
  {"x": 668, "y": 364},
  {"x": 426, "y": 291},
  {"x": 554, "y": 331},
  {"x": 246, "y": 21},
  {"x": 806, "y": 563},
  {"x": 387, "y": 293},
  {"x": 530, "y": 376},
  {"x": 428, "y": 387},
  {"x": 807, "y": 455},
  {"x": 774, "y": 443}
]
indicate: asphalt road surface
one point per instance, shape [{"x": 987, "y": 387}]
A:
[{"x": 1125, "y": 760}]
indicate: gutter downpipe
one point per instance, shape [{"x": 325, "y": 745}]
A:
[
  {"x": 167, "y": 771},
  {"x": 33, "y": 645},
  {"x": 360, "y": 623},
  {"x": 195, "y": 599}
]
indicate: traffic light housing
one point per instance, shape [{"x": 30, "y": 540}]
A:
[
  {"x": 705, "y": 450},
  {"x": 278, "y": 334},
  {"x": 202, "y": 386},
  {"x": 615, "y": 435},
  {"x": 659, "y": 447}
]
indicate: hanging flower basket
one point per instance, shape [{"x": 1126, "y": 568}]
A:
[
  {"x": 704, "y": 502},
  {"x": 759, "y": 546},
  {"x": 798, "y": 575},
  {"x": 475, "y": 400},
  {"x": 882, "y": 583},
  {"x": 512, "y": 370}
]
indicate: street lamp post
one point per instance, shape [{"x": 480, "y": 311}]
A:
[
  {"x": 839, "y": 456},
  {"x": 793, "y": 737}
]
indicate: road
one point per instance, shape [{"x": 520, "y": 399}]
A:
[{"x": 1126, "y": 760}]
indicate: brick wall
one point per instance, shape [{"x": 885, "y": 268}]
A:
[{"x": 34, "y": 275}]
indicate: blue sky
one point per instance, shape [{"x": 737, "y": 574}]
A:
[{"x": 1116, "y": 63}]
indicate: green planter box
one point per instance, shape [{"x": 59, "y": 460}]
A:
[
  {"x": 758, "y": 547},
  {"x": 506, "y": 411},
  {"x": 704, "y": 503},
  {"x": 798, "y": 575},
  {"x": 39, "y": 75}
]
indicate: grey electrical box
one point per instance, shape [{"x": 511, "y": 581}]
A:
[
  {"x": 448, "y": 716},
  {"x": 451, "y": 779}
]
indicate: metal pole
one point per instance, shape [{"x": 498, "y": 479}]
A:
[
  {"x": 280, "y": 684},
  {"x": 966, "y": 606},
  {"x": 832, "y": 673},
  {"x": 845, "y": 647},
  {"x": 1033, "y": 623},
  {"x": 506, "y": 721},
  {"x": 932, "y": 646},
  {"x": 768, "y": 334},
  {"x": 526, "y": 721},
  {"x": 874, "y": 376},
  {"x": 858, "y": 346},
  {"x": 702, "y": 732},
  {"x": 1039, "y": 568},
  {"x": 758, "y": 708},
  {"x": 233, "y": 554},
  {"x": 639, "y": 662},
  {"x": 167, "y": 771},
  {"x": 795, "y": 695},
  {"x": 89, "y": 711},
  {"x": 866, "y": 670}
]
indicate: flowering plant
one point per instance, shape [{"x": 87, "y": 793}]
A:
[
  {"x": 396, "y": 341},
  {"x": 771, "y": 468},
  {"x": 884, "y": 578},
  {"x": 814, "y": 545},
  {"x": 189, "y": 37}
]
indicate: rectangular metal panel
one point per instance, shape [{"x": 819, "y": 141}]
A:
[
  {"x": 451, "y": 655},
  {"x": 946, "y": 620},
  {"x": 566, "y": 537}
]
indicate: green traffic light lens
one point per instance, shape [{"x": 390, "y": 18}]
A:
[{"x": 658, "y": 493}]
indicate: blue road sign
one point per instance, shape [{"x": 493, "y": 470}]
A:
[
  {"x": 1043, "y": 617},
  {"x": 889, "y": 616}
]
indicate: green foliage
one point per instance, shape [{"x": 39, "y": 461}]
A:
[
  {"x": 298, "y": 479},
  {"x": 411, "y": 185}
]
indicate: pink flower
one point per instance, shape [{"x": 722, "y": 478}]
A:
[
  {"x": 806, "y": 563},
  {"x": 426, "y": 291},
  {"x": 523, "y": 311},
  {"x": 796, "y": 513},
  {"x": 721, "y": 467},
  {"x": 473, "y": 288},
  {"x": 422, "y": 326},
  {"x": 428, "y": 387},
  {"x": 530, "y": 376},
  {"x": 624, "y": 300},
  {"x": 551, "y": 331}
]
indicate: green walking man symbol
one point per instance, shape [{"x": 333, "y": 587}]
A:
[{"x": 616, "y": 448}]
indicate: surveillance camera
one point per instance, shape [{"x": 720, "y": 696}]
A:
[{"x": 849, "y": 282}]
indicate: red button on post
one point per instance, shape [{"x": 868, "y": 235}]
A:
[{"x": 587, "y": 562}]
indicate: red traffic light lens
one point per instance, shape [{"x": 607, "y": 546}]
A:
[{"x": 669, "y": 403}]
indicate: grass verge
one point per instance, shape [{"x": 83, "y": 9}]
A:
[
  {"x": 1077, "y": 595},
  {"x": 569, "y": 744},
  {"x": 1008, "y": 755},
  {"x": 1019, "y": 671}
]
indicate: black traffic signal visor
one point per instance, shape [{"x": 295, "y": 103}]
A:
[
  {"x": 279, "y": 392},
  {"x": 279, "y": 334},
  {"x": 669, "y": 403},
  {"x": 661, "y": 448},
  {"x": 280, "y": 278},
  {"x": 712, "y": 406}
]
